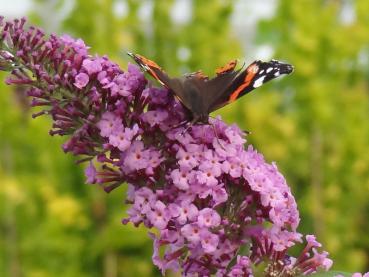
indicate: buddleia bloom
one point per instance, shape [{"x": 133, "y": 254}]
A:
[{"x": 218, "y": 207}]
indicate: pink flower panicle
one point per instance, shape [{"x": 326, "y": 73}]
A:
[{"x": 208, "y": 196}]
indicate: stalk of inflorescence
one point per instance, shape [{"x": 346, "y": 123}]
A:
[{"x": 217, "y": 207}]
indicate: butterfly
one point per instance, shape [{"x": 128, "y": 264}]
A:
[{"x": 202, "y": 95}]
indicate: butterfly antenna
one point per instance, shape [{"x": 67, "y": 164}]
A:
[{"x": 242, "y": 67}]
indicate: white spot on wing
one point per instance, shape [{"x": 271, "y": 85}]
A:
[
  {"x": 258, "y": 82},
  {"x": 277, "y": 74},
  {"x": 269, "y": 69},
  {"x": 261, "y": 72}
]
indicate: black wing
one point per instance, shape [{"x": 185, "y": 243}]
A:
[{"x": 255, "y": 75}]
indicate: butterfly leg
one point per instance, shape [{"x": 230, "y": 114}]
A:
[
  {"x": 193, "y": 122},
  {"x": 216, "y": 135},
  {"x": 181, "y": 124},
  {"x": 186, "y": 129}
]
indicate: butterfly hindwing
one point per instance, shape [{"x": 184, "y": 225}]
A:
[{"x": 226, "y": 68}]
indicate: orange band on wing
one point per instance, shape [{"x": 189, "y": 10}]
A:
[
  {"x": 148, "y": 62},
  {"x": 251, "y": 72},
  {"x": 148, "y": 65},
  {"x": 153, "y": 74},
  {"x": 228, "y": 67}
]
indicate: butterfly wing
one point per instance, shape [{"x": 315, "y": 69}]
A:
[
  {"x": 152, "y": 68},
  {"x": 229, "y": 67},
  {"x": 199, "y": 92},
  {"x": 177, "y": 85},
  {"x": 255, "y": 75},
  {"x": 214, "y": 89}
]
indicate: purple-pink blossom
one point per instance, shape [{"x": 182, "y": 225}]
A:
[
  {"x": 81, "y": 80},
  {"x": 208, "y": 218},
  {"x": 208, "y": 196},
  {"x": 92, "y": 66},
  {"x": 159, "y": 215}
]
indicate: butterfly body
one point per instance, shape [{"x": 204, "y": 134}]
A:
[
  {"x": 202, "y": 95},
  {"x": 192, "y": 89}
]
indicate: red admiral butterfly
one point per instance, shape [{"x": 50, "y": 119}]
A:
[{"x": 202, "y": 95}]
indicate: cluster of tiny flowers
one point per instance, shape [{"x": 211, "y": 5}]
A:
[{"x": 218, "y": 208}]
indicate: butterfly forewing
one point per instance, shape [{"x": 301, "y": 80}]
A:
[
  {"x": 174, "y": 84},
  {"x": 152, "y": 68},
  {"x": 255, "y": 75}
]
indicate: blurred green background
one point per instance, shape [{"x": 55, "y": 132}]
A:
[{"x": 314, "y": 124}]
